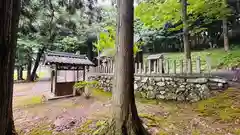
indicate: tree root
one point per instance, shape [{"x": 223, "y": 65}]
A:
[{"x": 109, "y": 128}]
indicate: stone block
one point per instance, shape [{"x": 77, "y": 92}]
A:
[
  {"x": 181, "y": 98},
  {"x": 171, "y": 96},
  {"x": 218, "y": 80},
  {"x": 161, "y": 84},
  {"x": 198, "y": 80},
  {"x": 137, "y": 78},
  {"x": 158, "y": 79},
  {"x": 160, "y": 97},
  {"x": 180, "y": 90},
  {"x": 144, "y": 79},
  {"x": 193, "y": 97},
  {"x": 162, "y": 92},
  {"x": 151, "y": 95},
  {"x": 179, "y": 80}
]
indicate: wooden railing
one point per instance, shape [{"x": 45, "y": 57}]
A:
[{"x": 163, "y": 66}]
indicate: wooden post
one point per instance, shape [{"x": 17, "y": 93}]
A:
[
  {"x": 149, "y": 66},
  {"x": 52, "y": 79},
  {"x": 101, "y": 69},
  {"x": 174, "y": 67},
  {"x": 181, "y": 66},
  {"x": 198, "y": 65},
  {"x": 189, "y": 68},
  {"x": 135, "y": 67},
  {"x": 84, "y": 73},
  {"x": 55, "y": 82},
  {"x": 74, "y": 77},
  {"x": 209, "y": 66},
  {"x": 144, "y": 68},
  {"x": 97, "y": 67},
  {"x": 139, "y": 68},
  {"x": 105, "y": 67},
  {"x": 167, "y": 66},
  {"x": 77, "y": 74},
  {"x": 157, "y": 66},
  {"x": 160, "y": 66},
  {"x": 74, "y": 90},
  {"x": 111, "y": 66},
  {"x": 154, "y": 67},
  {"x": 114, "y": 67},
  {"x": 65, "y": 74}
]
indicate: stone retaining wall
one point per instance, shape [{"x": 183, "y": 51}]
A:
[{"x": 178, "y": 88}]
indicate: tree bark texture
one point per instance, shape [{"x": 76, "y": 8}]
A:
[
  {"x": 9, "y": 10},
  {"x": 36, "y": 64},
  {"x": 185, "y": 30},
  {"x": 126, "y": 119},
  {"x": 19, "y": 73},
  {"x": 225, "y": 35},
  {"x": 29, "y": 68}
]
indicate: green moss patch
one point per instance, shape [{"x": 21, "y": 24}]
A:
[
  {"x": 101, "y": 93},
  {"x": 27, "y": 101},
  {"x": 224, "y": 106},
  {"x": 91, "y": 127},
  {"x": 153, "y": 120},
  {"x": 42, "y": 129}
]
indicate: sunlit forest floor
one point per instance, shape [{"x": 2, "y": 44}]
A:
[{"x": 219, "y": 115}]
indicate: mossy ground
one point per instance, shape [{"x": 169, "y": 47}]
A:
[
  {"x": 224, "y": 107},
  {"x": 28, "y": 101},
  {"x": 219, "y": 115}
]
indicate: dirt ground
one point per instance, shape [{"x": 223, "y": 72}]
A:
[{"x": 219, "y": 115}]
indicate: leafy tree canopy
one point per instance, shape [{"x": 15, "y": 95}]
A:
[{"x": 167, "y": 13}]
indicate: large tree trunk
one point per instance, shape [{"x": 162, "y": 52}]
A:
[
  {"x": 19, "y": 73},
  {"x": 39, "y": 55},
  {"x": 29, "y": 67},
  {"x": 9, "y": 10},
  {"x": 185, "y": 30},
  {"x": 225, "y": 35},
  {"x": 125, "y": 117},
  {"x": 225, "y": 31}
]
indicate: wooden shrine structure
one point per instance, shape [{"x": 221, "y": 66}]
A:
[{"x": 70, "y": 64}]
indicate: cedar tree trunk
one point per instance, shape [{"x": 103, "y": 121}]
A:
[
  {"x": 225, "y": 35},
  {"x": 39, "y": 55},
  {"x": 185, "y": 30},
  {"x": 9, "y": 10},
  {"x": 19, "y": 73},
  {"x": 29, "y": 67},
  {"x": 125, "y": 117}
]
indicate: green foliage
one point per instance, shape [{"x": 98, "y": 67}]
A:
[
  {"x": 83, "y": 84},
  {"x": 107, "y": 42},
  {"x": 55, "y": 25},
  {"x": 158, "y": 13},
  {"x": 106, "y": 39},
  {"x": 232, "y": 59}
]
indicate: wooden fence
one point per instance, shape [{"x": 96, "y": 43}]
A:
[{"x": 162, "y": 66}]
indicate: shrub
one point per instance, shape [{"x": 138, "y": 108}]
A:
[{"x": 80, "y": 86}]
